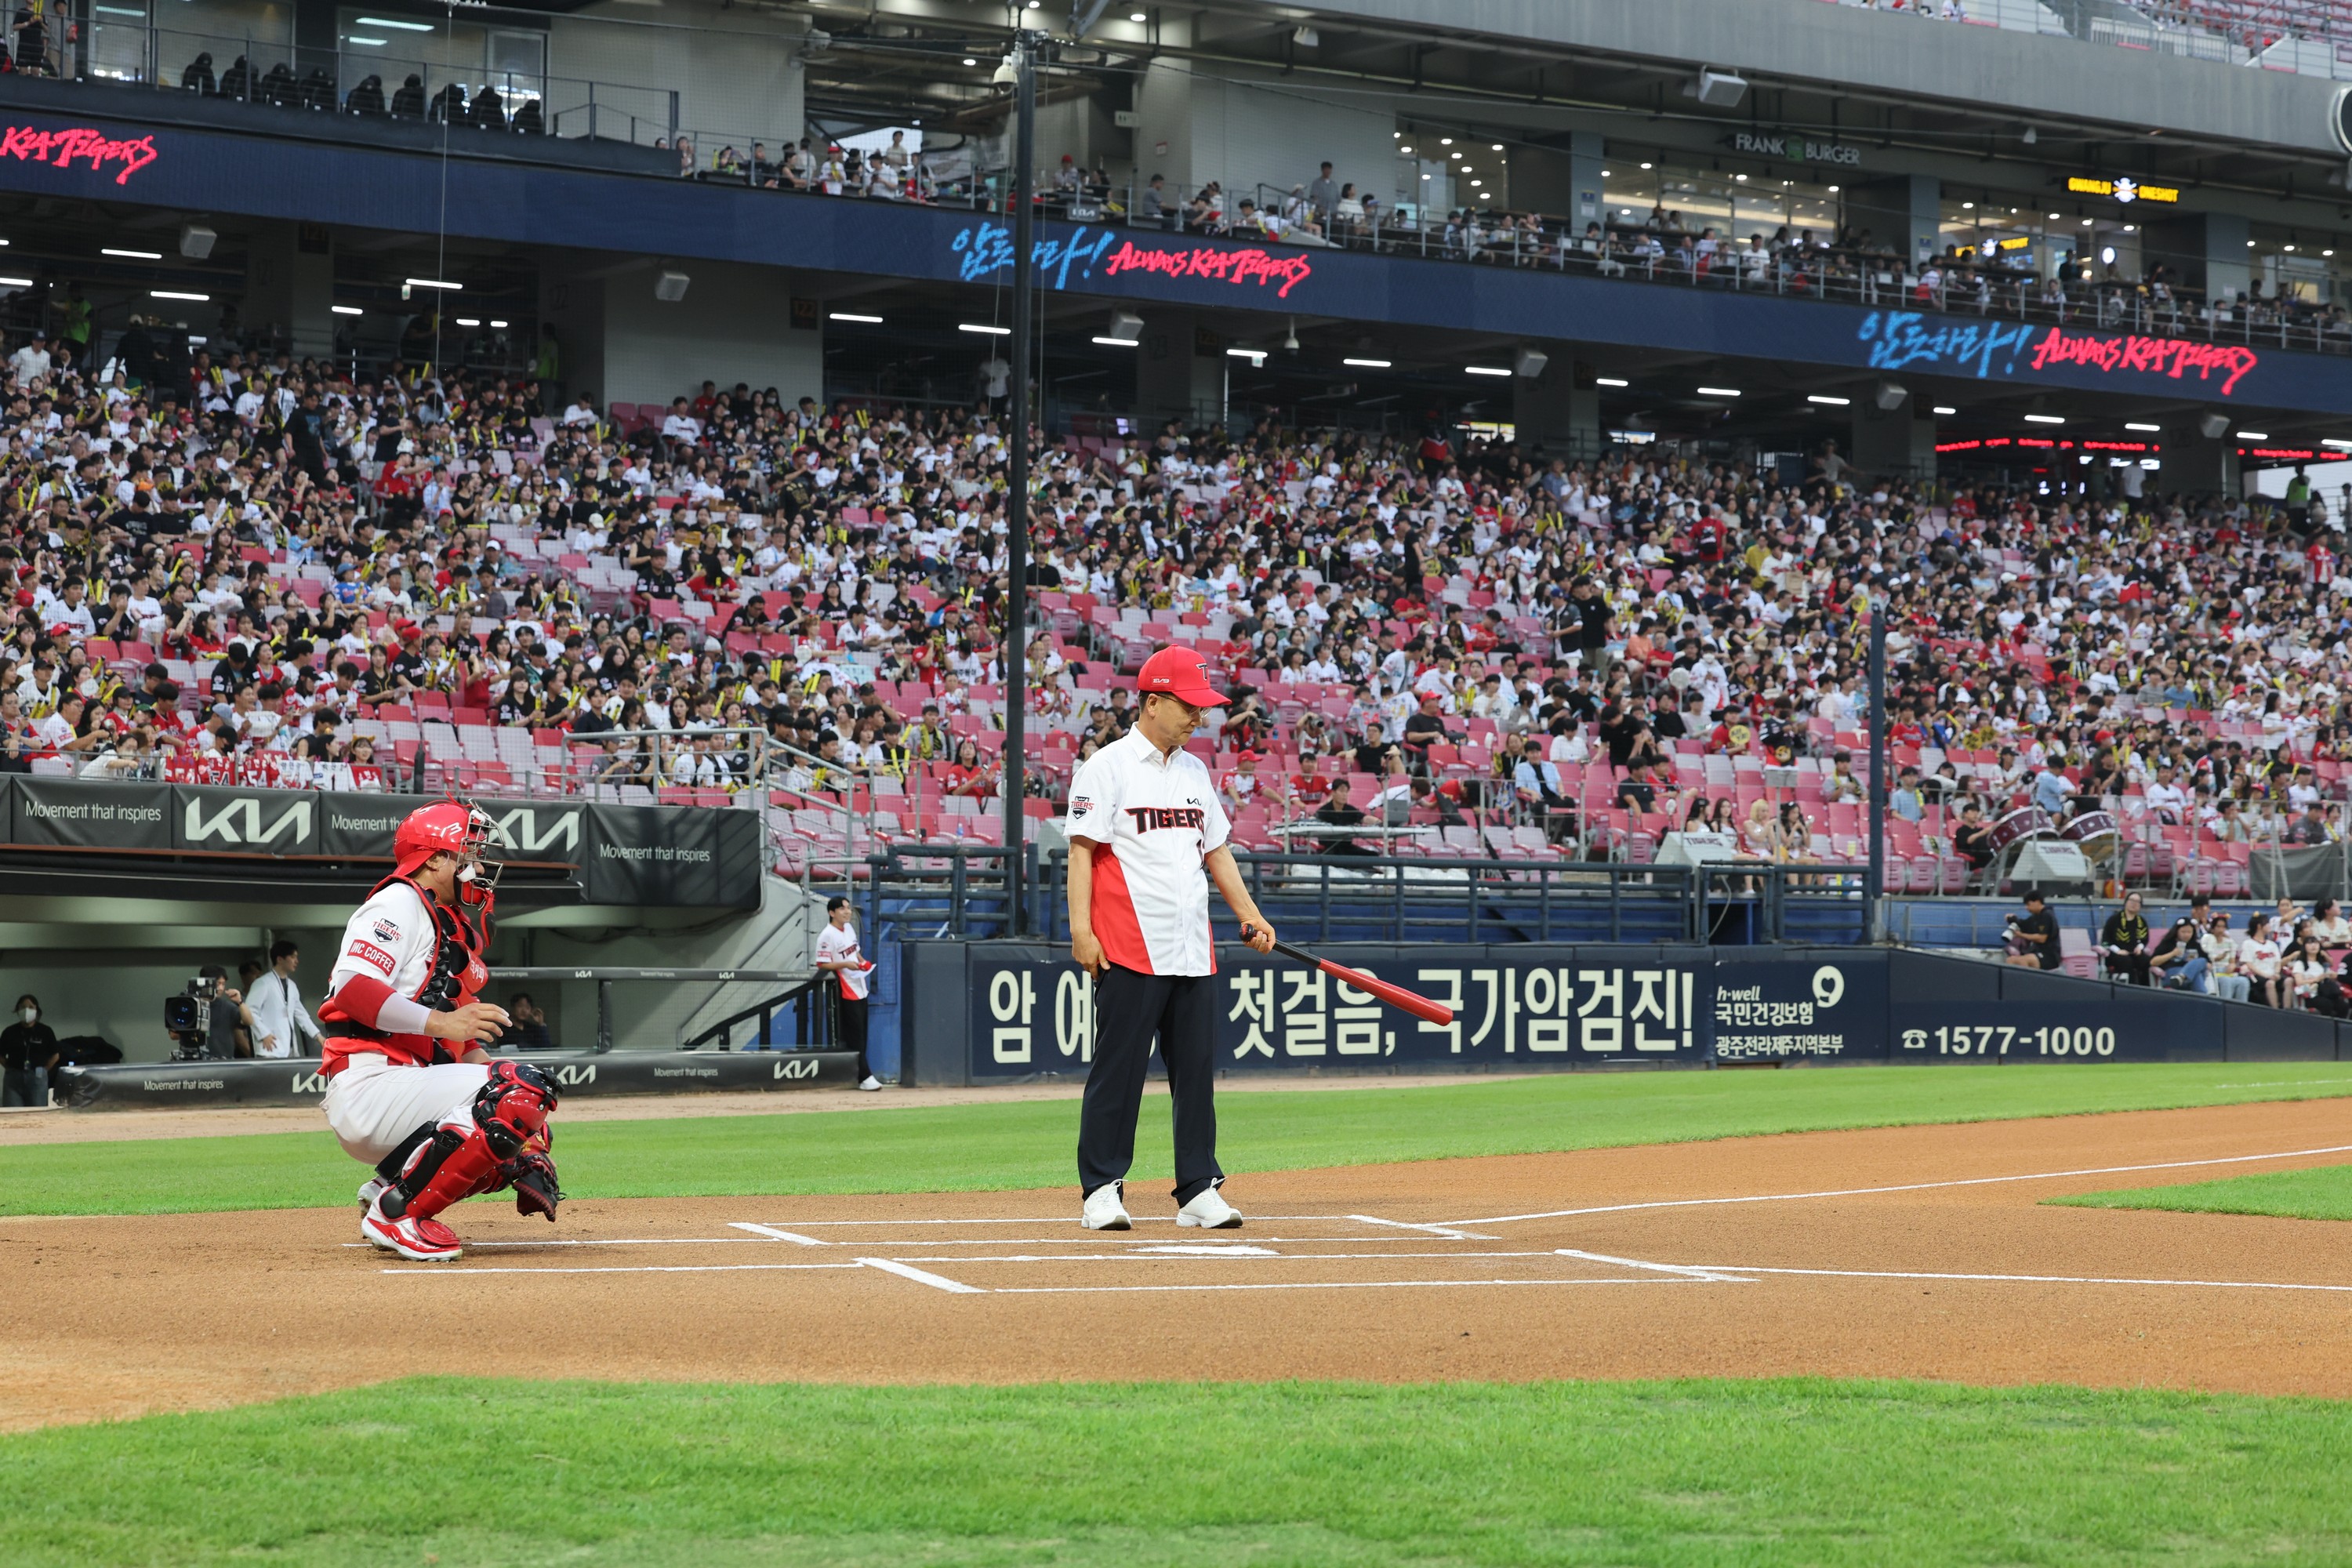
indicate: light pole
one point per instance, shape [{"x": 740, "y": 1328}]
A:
[{"x": 1024, "y": 61}]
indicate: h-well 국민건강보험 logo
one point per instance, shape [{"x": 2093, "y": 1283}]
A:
[
  {"x": 1899, "y": 340},
  {"x": 64, "y": 148},
  {"x": 986, "y": 247}
]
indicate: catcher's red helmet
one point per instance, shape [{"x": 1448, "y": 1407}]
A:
[{"x": 449, "y": 827}]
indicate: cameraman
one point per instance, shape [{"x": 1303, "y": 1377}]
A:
[{"x": 228, "y": 1013}]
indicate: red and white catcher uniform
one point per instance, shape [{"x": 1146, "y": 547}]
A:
[{"x": 437, "y": 1128}]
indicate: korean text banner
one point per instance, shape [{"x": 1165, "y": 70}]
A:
[{"x": 1519, "y": 1007}]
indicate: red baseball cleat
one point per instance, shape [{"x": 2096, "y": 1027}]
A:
[{"x": 418, "y": 1240}]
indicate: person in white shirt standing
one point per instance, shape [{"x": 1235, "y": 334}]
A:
[
  {"x": 282, "y": 1027},
  {"x": 1145, "y": 824},
  {"x": 837, "y": 954}
]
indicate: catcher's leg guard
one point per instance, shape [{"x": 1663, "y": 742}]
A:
[{"x": 509, "y": 1114}]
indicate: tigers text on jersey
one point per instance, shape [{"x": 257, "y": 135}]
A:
[{"x": 1153, "y": 818}]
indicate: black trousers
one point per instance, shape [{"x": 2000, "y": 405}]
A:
[
  {"x": 849, "y": 1023},
  {"x": 1129, "y": 1010}
]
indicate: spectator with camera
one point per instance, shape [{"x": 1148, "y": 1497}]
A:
[
  {"x": 2032, "y": 937},
  {"x": 28, "y": 1052}
]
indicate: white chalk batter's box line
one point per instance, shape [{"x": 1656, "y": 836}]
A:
[{"x": 924, "y": 1269}]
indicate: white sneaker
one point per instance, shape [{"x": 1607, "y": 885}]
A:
[
  {"x": 1210, "y": 1211},
  {"x": 1103, "y": 1210},
  {"x": 871, "y": 1083},
  {"x": 368, "y": 1190}
]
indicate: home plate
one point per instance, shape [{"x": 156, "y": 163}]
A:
[{"x": 1178, "y": 1249}]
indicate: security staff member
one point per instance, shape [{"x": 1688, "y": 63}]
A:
[{"x": 1144, "y": 824}]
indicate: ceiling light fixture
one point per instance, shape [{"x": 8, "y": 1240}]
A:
[
  {"x": 397, "y": 25},
  {"x": 347, "y": 309},
  {"x": 1116, "y": 343},
  {"x": 433, "y": 283},
  {"x": 132, "y": 255},
  {"x": 2045, "y": 419},
  {"x": 1718, "y": 392},
  {"x": 861, "y": 321},
  {"x": 984, "y": 331},
  {"x": 1941, "y": 409},
  {"x": 1827, "y": 401},
  {"x": 2253, "y": 434},
  {"x": 178, "y": 294},
  {"x": 1367, "y": 364},
  {"x": 469, "y": 320},
  {"x": 1609, "y": 381},
  {"x": 1485, "y": 369},
  {"x": 2144, "y": 429}
]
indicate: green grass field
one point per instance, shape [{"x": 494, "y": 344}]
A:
[
  {"x": 1763, "y": 1473},
  {"x": 1030, "y": 1143},
  {"x": 2325, "y": 1193}
]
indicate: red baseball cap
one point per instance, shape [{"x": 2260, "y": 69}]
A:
[{"x": 1177, "y": 672}]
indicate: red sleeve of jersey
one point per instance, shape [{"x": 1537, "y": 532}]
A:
[{"x": 362, "y": 997}]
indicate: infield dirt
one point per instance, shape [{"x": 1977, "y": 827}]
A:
[{"x": 1738, "y": 1257}]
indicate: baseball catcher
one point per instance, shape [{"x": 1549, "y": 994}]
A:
[{"x": 412, "y": 1091}]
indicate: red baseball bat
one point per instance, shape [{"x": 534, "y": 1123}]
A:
[{"x": 1412, "y": 1002}]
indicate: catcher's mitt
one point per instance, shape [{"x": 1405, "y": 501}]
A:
[{"x": 536, "y": 1190}]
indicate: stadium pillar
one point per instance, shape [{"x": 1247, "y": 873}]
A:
[
  {"x": 2208, "y": 250},
  {"x": 1180, "y": 371},
  {"x": 760, "y": 325},
  {"x": 289, "y": 285},
  {"x": 1545, "y": 179},
  {"x": 1898, "y": 442},
  {"x": 2197, "y": 464},
  {"x": 1558, "y": 413},
  {"x": 1905, "y": 214}
]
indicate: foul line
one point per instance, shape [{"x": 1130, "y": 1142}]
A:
[
  {"x": 908, "y": 1271},
  {"x": 2042, "y": 1278},
  {"x": 1716, "y": 1276},
  {"x": 614, "y": 1268},
  {"x": 1323, "y": 1285},
  {"x": 773, "y": 1234},
  {"x": 1911, "y": 1186},
  {"x": 1447, "y": 1231},
  {"x": 1046, "y": 1219}
]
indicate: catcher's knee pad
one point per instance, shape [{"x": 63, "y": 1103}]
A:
[{"x": 513, "y": 1106}]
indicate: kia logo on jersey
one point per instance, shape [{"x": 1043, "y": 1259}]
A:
[{"x": 1149, "y": 817}]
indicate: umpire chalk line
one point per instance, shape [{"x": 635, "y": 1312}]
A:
[
  {"x": 2032, "y": 1278},
  {"x": 908, "y": 1271},
  {"x": 1328, "y": 1285},
  {"x": 446, "y": 1270},
  {"x": 1718, "y": 1276},
  {"x": 1909, "y": 1186},
  {"x": 773, "y": 1234}
]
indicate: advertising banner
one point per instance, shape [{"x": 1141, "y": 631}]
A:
[
  {"x": 999, "y": 1011},
  {"x": 697, "y": 858},
  {"x": 79, "y": 816},
  {"x": 147, "y": 1085},
  {"x": 1513, "y": 1007}
]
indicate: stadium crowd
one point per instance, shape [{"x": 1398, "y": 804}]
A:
[{"x": 272, "y": 574}]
